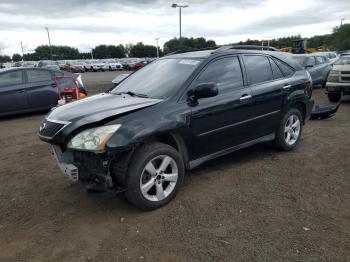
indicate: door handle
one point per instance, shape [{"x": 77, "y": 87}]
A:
[
  {"x": 245, "y": 97},
  {"x": 20, "y": 91},
  {"x": 53, "y": 85},
  {"x": 287, "y": 86}
]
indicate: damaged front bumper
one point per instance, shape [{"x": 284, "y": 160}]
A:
[{"x": 100, "y": 172}]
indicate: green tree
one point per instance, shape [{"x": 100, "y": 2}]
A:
[
  {"x": 4, "y": 59},
  {"x": 187, "y": 44},
  {"x": 58, "y": 52},
  {"x": 142, "y": 50},
  {"x": 108, "y": 51},
  {"x": 16, "y": 57},
  {"x": 341, "y": 37}
]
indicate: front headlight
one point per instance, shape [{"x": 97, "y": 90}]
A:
[
  {"x": 334, "y": 72},
  {"x": 93, "y": 139}
]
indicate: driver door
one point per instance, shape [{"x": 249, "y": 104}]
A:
[{"x": 222, "y": 121}]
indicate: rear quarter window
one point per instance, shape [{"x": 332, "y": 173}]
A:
[{"x": 286, "y": 69}]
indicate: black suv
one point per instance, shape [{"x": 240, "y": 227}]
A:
[{"x": 176, "y": 113}]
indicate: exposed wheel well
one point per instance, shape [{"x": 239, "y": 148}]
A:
[
  {"x": 174, "y": 141},
  {"x": 301, "y": 106}
]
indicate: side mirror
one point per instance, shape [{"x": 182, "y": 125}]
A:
[{"x": 205, "y": 90}]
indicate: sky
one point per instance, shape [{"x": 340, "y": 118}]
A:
[{"x": 86, "y": 23}]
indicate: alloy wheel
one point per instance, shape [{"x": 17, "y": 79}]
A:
[
  {"x": 159, "y": 178},
  {"x": 292, "y": 130}
]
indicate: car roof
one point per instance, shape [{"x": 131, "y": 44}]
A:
[{"x": 284, "y": 56}]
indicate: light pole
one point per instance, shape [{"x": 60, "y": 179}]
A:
[
  {"x": 341, "y": 22},
  {"x": 180, "y": 7},
  {"x": 22, "y": 51},
  {"x": 157, "y": 47},
  {"x": 48, "y": 36}
]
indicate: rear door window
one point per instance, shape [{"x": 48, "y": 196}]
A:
[
  {"x": 258, "y": 69},
  {"x": 11, "y": 78},
  {"x": 38, "y": 76},
  {"x": 225, "y": 72}
]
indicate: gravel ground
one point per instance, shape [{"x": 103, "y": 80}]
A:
[{"x": 258, "y": 204}]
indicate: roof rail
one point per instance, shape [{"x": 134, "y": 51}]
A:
[
  {"x": 246, "y": 47},
  {"x": 192, "y": 50}
]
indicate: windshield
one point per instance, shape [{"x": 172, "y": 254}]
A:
[
  {"x": 160, "y": 79},
  {"x": 344, "y": 60}
]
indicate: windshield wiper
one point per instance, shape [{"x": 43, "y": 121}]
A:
[{"x": 130, "y": 93}]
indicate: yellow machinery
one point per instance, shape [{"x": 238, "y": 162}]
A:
[{"x": 300, "y": 47}]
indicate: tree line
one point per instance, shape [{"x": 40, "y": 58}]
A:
[{"x": 339, "y": 39}]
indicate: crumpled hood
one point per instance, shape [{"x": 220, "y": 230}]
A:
[{"x": 99, "y": 107}]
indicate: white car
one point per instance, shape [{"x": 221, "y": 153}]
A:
[
  {"x": 95, "y": 65},
  {"x": 112, "y": 65}
]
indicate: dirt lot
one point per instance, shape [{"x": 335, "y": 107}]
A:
[{"x": 258, "y": 204}]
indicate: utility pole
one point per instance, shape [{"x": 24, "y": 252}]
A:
[
  {"x": 48, "y": 36},
  {"x": 180, "y": 7},
  {"x": 341, "y": 22},
  {"x": 22, "y": 51},
  {"x": 92, "y": 56},
  {"x": 157, "y": 47}
]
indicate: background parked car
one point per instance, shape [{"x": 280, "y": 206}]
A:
[
  {"x": 332, "y": 56},
  {"x": 139, "y": 65},
  {"x": 95, "y": 65},
  {"x": 338, "y": 81},
  {"x": 318, "y": 66},
  {"x": 48, "y": 64},
  {"x": 75, "y": 67},
  {"x": 30, "y": 89},
  {"x": 29, "y": 64},
  {"x": 111, "y": 65}
]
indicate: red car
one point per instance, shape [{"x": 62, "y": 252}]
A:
[{"x": 139, "y": 65}]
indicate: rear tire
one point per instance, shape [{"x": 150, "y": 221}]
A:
[
  {"x": 149, "y": 184},
  {"x": 289, "y": 130},
  {"x": 334, "y": 97}
]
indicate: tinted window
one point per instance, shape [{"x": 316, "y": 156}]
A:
[
  {"x": 258, "y": 68},
  {"x": 310, "y": 61},
  {"x": 160, "y": 79},
  {"x": 11, "y": 78},
  {"x": 286, "y": 69},
  {"x": 277, "y": 73},
  {"x": 38, "y": 75},
  {"x": 225, "y": 72}
]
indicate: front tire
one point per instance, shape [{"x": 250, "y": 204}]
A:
[
  {"x": 289, "y": 130},
  {"x": 155, "y": 176}
]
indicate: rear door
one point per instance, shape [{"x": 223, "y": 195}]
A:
[
  {"x": 222, "y": 121},
  {"x": 12, "y": 91},
  {"x": 41, "y": 89},
  {"x": 324, "y": 67},
  {"x": 267, "y": 83}
]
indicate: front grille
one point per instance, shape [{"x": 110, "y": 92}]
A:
[
  {"x": 347, "y": 78},
  {"x": 345, "y": 72},
  {"x": 50, "y": 129}
]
